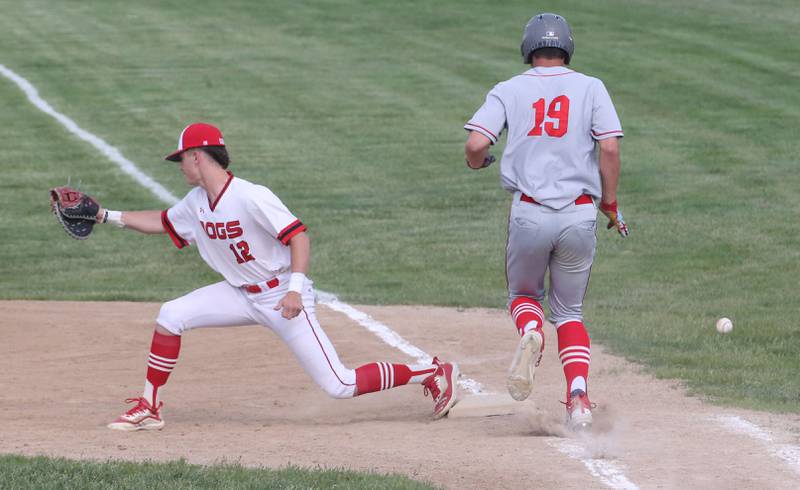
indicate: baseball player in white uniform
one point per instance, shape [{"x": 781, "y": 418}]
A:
[
  {"x": 560, "y": 161},
  {"x": 246, "y": 234}
]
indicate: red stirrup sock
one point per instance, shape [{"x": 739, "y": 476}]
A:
[
  {"x": 573, "y": 349},
  {"x": 379, "y": 376},
  {"x": 527, "y": 313},
  {"x": 163, "y": 356}
]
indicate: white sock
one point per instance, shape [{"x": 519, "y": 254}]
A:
[
  {"x": 533, "y": 324},
  {"x": 421, "y": 372},
  {"x": 149, "y": 393},
  {"x": 579, "y": 383}
]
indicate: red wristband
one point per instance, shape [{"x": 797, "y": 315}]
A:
[{"x": 611, "y": 207}]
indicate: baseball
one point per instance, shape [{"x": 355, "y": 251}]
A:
[{"x": 724, "y": 325}]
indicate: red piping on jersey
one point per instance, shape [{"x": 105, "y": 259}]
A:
[
  {"x": 290, "y": 231},
  {"x": 479, "y": 126},
  {"x": 323, "y": 351},
  {"x": 548, "y": 74},
  {"x": 224, "y": 188},
  {"x": 167, "y": 224},
  {"x": 607, "y": 132}
]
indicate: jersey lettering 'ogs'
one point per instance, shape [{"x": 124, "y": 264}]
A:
[
  {"x": 244, "y": 235},
  {"x": 553, "y": 116}
]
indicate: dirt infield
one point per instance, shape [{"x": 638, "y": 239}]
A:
[{"x": 238, "y": 396}]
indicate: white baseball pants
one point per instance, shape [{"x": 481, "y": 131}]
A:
[{"x": 222, "y": 305}]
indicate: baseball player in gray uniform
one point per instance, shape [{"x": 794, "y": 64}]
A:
[{"x": 561, "y": 162}]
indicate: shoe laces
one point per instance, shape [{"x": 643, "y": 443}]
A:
[
  {"x": 141, "y": 406},
  {"x": 577, "y": 396},
  {"x": 432, "y": 384}
]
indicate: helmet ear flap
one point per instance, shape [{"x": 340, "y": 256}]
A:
[{"x": 527, "y": 53}]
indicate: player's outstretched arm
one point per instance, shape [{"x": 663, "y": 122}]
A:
[
  {"x": 141, "y": 221},
  {"x": 477, "y": 151}
]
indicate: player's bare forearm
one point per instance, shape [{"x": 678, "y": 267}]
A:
[
  {"x": 300, "y": 246},
  {"x": 609, "y": 178},
  {"x": 609, "y": 168},
  {"x": 292, "y": 304},
  {"x": 476, "y": 150},
  {"x": 141, "y": 221}
]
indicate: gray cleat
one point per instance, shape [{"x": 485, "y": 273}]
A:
[{"x": 523, "y": 367}]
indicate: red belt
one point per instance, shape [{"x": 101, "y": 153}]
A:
[
  {"x": 583, "y": 199},
  {"x": 255, "y": 288}
]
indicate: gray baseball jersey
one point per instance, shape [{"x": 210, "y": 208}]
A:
[{"x": 553, "y": 116}]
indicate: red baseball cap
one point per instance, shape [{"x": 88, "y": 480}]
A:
[{"x": 196, "y": 135}]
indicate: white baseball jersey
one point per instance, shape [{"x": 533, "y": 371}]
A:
[
  {"x": 243, "y": 235},
  {"x": 553, "y": 116}
]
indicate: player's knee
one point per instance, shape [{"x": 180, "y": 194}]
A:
[
  {"x": 170, "y": 317},
  {"x": 338, "y": 390},
  {"x": 342, "y": 385}
]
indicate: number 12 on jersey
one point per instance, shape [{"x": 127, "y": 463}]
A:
[
  {"x": 244, "y": 252},
  {"x": 557, "y": 111}
]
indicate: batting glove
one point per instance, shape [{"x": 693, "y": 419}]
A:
[{"x": 615, "y": 218}]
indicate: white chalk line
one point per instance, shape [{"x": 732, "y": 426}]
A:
[
  {"x": 607, "y": 471},
  {"x": 112, "y": 153},
  {"x": 109, "y": 151},
  {"x": 388, "y": 335},
  {"x": 788, "y": 453}
]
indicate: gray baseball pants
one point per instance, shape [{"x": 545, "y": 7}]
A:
[{"x": 563, "y": 241}]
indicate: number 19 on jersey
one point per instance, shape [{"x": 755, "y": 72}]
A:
[{"x": 558, "y": 114}]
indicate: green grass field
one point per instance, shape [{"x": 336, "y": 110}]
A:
[
  {"x": 58, "y": 474},
  {"x": 352, "y": 113}
]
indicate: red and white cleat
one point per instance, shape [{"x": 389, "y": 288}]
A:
[
  {"x": 141, "y": 417},
  {"x": 579, "y": 411},
  {"x": 442, "y": 387},
  {"x": 523, "y": 367}
]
